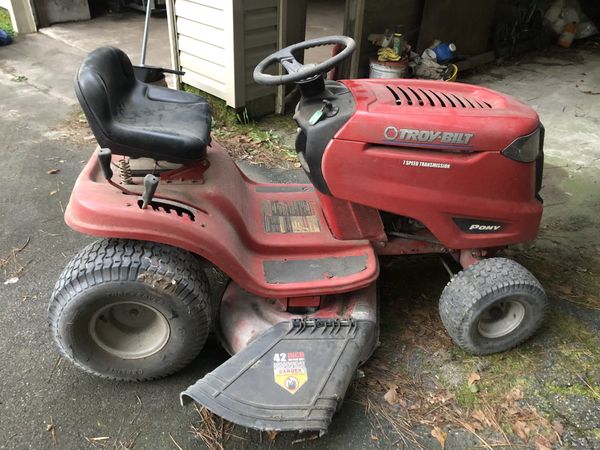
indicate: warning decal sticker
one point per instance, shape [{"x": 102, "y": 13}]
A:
[
  {"x": 290, "y": 370},
  {"x": 290, "y": 217}
]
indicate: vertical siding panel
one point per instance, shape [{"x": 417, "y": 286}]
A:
[{"x": 220, "y": 42}]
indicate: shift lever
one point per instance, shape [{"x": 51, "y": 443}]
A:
[{"x": 150, "y": 185}]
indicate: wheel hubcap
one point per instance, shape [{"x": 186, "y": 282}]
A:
[
  {"x": 501, "y": 318},
  {"x": 129, "y": 330}
]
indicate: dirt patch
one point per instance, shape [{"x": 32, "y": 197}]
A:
[
  {"x": 74, "y": 129},
  {"x": 158, "y": 282},
  {"x": 256, "y": 146}
]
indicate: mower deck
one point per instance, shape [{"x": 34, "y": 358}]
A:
[
  {"x": 273, "y": 239},
  {"x": 293, "y": 370}
]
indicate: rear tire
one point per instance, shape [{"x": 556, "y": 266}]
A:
[
  {"x": 492, "y": 306},
  {"x": 131, "y": 310}
]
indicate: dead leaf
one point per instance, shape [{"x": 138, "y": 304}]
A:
[
  {"x": 514, "y": 395},
  {"x": 53, "y": 171},
  {"x": 272, "y": 435},
  {"x": 480, "y": 416},
  {"x": 391, "y": 396},
  {"x": 374, "y": 438},
  {"x": 51, "y": 428},
  {"x": 566, "y": 290},
  {"x": 477, "y": 426},
  {"x": 558, "y": 427},
  {"x": 473, "y": 378},
  {"x": 520, "y": 429},
  {"x": 440, "y": 435},
  {"x": 542, "y": 443}
]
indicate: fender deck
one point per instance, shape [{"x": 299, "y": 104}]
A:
[{"x": 271, "y": 239}]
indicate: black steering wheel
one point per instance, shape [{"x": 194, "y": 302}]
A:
[{"x": 297, "y": 71}]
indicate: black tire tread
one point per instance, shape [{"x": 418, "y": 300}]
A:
[
  {"x": 124, "y": 260},
  {"x": 467, "y": 287}
]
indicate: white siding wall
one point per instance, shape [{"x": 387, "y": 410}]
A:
[{"x": 220, "y": 42}]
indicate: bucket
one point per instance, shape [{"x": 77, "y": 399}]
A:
[{"x": 387, "y": 69}]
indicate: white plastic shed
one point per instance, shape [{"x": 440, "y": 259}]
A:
[{"x": 218, "y": 42}]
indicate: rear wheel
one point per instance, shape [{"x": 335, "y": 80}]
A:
[
  {"x": 131, "y": 310},
  {"x": 492, "y": 306}
]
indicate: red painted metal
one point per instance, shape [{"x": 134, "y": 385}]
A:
[
  {"x": 472, "y": 188},
  {"x": 228, "y": 227},
  {"x": 349, "y": 220},
  {"x": 398, "y": 246},
  {"x": 304, "y": 302},
  {"x": 244, "y": 316},
  {"x": 493, "y": 128},
  {"x": 369, "y": 166}
]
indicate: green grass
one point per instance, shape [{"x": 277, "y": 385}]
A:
[
  {"x": 228, "y": 122},
  {"x": 5, "y": 22},
  {"x": 223, "y": 116}
]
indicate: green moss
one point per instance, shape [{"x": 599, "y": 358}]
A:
[
  {"x": 223, "y": 115},
  {"x": 575, "y": 390},
  {"x": 5, "y": 22},
  {"x": 466, "y": 398}
]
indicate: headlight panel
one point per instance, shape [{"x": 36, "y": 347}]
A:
[{"x": 524, "y": 149}]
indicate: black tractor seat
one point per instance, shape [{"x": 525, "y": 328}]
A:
[{"x": 136, "y": 119}]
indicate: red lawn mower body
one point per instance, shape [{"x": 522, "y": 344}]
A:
[
  {"x": 390, "y": 156},
  {"x": 432, "y": 151},
  {"x": 397, "y": 167}
]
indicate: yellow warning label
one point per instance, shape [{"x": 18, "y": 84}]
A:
[
  {"x": 290, "y": 370},
  {"x": 290, "y": 217}
]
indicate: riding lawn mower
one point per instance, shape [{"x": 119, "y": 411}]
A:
[{"x": 396, "y": 167}]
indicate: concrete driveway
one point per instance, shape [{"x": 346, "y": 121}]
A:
[{"x": 39, "y": 164}]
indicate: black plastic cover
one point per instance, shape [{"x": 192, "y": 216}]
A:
[
  {"x": 320, "y": 357},
  {"x": 314, "y": 138}
]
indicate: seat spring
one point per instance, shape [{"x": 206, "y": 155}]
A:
[{"x": 125, "y": 171}]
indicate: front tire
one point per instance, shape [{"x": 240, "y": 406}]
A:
[
  {"x": 492, "y": 306},
  {"x": 131, "y": 310}
]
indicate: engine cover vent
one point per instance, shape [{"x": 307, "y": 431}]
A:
[{"x": 409, "y": 96}]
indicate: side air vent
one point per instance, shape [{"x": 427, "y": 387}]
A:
[
  {"x": 169, "y": 208},
  {"x": 413, "y": 96}
]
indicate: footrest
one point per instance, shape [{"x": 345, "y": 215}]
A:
[{"x": 293, "y": 377}]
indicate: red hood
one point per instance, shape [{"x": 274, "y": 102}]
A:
[{"x": 435, "y": 114}]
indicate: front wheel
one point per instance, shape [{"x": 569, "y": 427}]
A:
[
  {"x": 492, "y": 306},
  {"x": 130, "y": 310}
]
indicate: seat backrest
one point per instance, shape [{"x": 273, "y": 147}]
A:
[{"x": 105, "y": 78}]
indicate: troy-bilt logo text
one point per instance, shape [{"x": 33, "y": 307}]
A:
[
  {"x": 484, "y": 227},
  {"x": 427, "y": 136}
]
